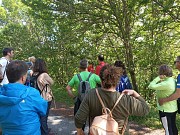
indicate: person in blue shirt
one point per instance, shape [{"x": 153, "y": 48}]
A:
[
  {"x": 124, "y": 82},
  {"x": 21, "y": 106}
]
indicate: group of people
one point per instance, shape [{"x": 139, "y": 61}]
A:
[
  {"x": 112, "y": 83},
  {"x": 111, "y": 79},
  {"x": 24, "y": 109}
]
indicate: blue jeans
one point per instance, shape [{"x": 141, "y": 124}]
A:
[{"x": 43, "y": 120}]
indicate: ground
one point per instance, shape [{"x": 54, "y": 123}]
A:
[{"x": 61, "y": 122}]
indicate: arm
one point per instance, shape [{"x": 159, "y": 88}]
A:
[
  {"x": 69, "y": 90},
  {"x": 38, "y": 102},
  {"x": 135, "y": 104},
  {"x": 80, "y": 131},
  {"x": 158, "y": 84},
  {"x": 131, "y": 93},
  {"x": 174, "y": 96}
]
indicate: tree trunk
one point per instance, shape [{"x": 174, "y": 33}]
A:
[{"x": 126, "y": 41}]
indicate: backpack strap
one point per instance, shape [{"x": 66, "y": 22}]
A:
[
  {"x": 100, "y": 99},
  {"x": 5, "y": 69},
  {"x": 117, "y": 101},
  {"x": 103, "y": 103},
  {"x": 79, "y": 77},
  {"x": 44, "y": 88},
  {"x": 126, "y": 121},
  {"x": 89, "y": 76}
]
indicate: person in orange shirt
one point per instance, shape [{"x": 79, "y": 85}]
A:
[{"x": 101, "y": 64}]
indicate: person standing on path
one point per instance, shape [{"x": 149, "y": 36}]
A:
[
  {"x": 124, "y": 82},
  {"x": 176, "y": 94},
  {"x": 8, "y": 54},
  {"x": 44, "y": 82},
  {"x": 165, "y": 85},
  {"x": 74, "y": 82},
  {"x": 101, "y": 63}
]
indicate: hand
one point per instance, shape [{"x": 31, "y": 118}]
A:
[
  {"x": 80, "y": 131},
  {"x": 162, "y": 77},
  {"x": 161, "y": 101},
  {"x": 131, "y": 92}
]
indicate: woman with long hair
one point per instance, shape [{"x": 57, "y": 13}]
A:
[{"x": 44, "y": 82}]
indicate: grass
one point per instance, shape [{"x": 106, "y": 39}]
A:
[
  {"x": 151, "y": 120},
  {"x": 61, "y": 95}
]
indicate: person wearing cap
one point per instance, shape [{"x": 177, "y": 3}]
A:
[
  {"x": 74, "y": 82},
  {"x": 101, "y": 64}
]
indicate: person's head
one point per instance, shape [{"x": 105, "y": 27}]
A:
[
  {"x": 101, "y": 57},
  {"x": 120, "y": 64},
  {"x": 83, "y": 64},
  {"x": 17, "y": 71},
  {"x": 32, "y": 59},
  {"x": 110, "y": 76},
  {"x": 165, "y": 70},
  {"x": 177, "y": 62},
  {"x": 40, "y": 66},
  {"x": 8, "y": 52}
]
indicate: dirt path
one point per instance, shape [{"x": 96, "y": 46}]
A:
[{"x": 61, "y": 122}]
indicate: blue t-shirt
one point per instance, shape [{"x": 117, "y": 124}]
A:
[{"x": 178, "y": 81}]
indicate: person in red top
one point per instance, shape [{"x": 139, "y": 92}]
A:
[
  {"x": 91, "y": 67},
  {"x": 101, "y": 63}
]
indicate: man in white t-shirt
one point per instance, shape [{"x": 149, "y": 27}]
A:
[{"x": 8, "y": 54}]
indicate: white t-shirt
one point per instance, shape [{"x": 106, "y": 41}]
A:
[{"x": 3, "y": 63}]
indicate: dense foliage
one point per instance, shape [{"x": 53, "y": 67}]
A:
[{"x": 141, "y": 33}]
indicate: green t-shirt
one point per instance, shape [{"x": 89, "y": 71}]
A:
[{"x": 93, "y": 80}]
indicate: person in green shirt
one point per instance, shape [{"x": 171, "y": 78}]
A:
[
  {"x": 74, "y": 82},
  {"x": 165, "y": 85}
]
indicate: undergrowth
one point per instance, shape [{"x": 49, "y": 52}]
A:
[{"x": 151, "y": 120}]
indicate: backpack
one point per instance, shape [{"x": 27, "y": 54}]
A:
[
  {"x": 124, "y": 83},
  {"x": 33, "y": 82},
  {"x": 83, "y": 87},
  {"x": 105, "y": 124},
  {"x": 27, "y": 83}
]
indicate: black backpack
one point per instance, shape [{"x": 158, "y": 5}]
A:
[
  {"x": 84, "y": 86},
  {"x": 33, "y": 82}
]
